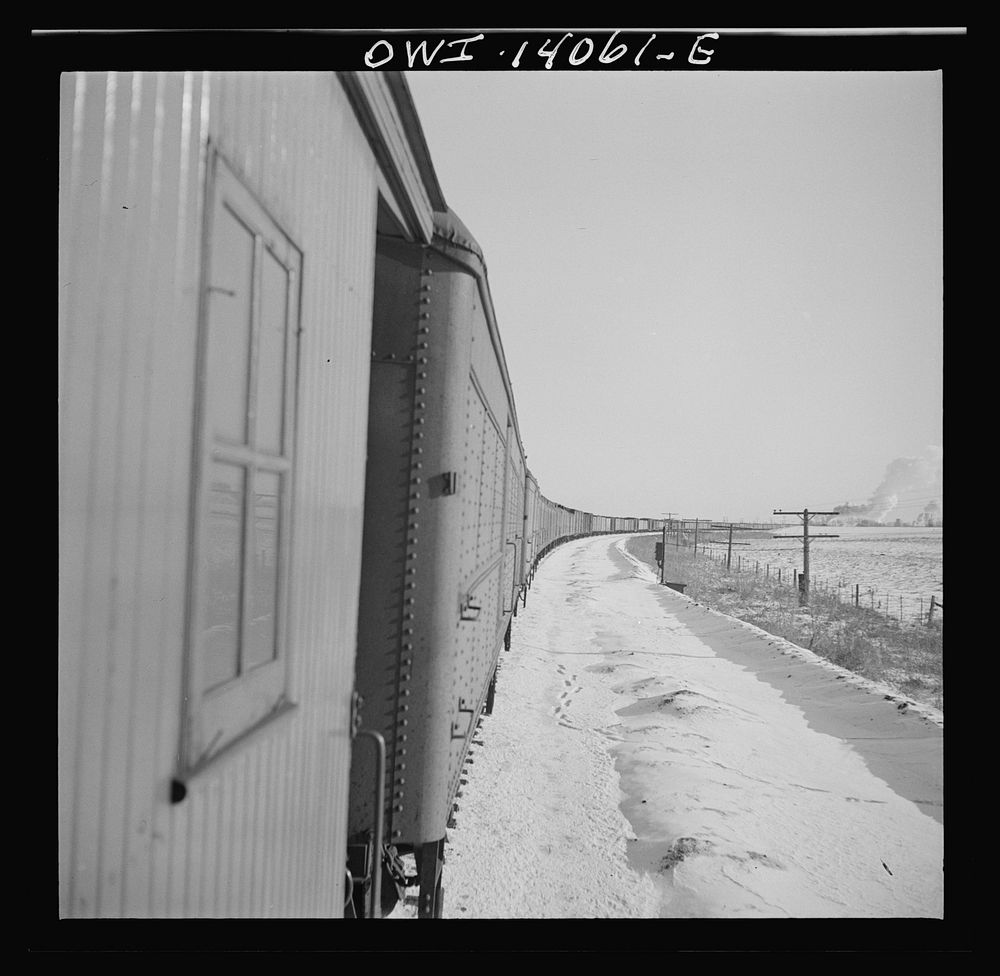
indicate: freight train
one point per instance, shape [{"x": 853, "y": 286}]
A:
[{"x": 296, "y": 519}]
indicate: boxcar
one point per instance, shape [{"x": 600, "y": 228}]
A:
[
  {"x": 443, "y": 539},
  {"x": 217, "y": 261}
]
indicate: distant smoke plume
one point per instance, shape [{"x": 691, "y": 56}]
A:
[{"x": 911, "y": 491}]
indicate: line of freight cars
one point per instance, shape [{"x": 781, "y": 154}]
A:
[{"x": 295, "y": 514}]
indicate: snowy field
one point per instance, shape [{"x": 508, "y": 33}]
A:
[
  {"x": 903, "y": 561},
  {"x": 650, "y": 758}
]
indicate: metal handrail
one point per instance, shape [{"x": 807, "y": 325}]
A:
[{"x": 377, "y": 738}]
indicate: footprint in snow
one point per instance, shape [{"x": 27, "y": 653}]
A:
[{"x": 757, "y": 859}]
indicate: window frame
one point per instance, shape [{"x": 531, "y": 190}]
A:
[{"x": 216, "y": 718}]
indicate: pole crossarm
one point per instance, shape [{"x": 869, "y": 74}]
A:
[
  {"x": 811, "y": 535},
  {"x": 803, "y": 512}
]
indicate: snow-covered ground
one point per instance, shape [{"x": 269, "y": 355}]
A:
[{"x": 650, "y": 758}]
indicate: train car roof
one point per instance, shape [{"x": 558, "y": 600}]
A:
[
  {"x": 385, "y": 111},
  {"x": 454, "y": 240}
]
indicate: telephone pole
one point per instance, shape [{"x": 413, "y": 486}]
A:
[
  {"x": 805, "y": 515},
  {"x": 729, "y": 549}
]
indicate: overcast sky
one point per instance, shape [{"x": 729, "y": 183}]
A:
[{"x": 719, "y": 293}]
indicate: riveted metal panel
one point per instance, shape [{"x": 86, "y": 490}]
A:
[
  {"x": 410, "y": 704},
  {"x": 531, "y": 523},
  {"x": 393, "y": 568},
  {"x": 464, "y": 526}
]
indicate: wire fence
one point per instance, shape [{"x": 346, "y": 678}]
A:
[
  {"x": 893, "y": 638},
  {"x": 904, "y": 607}
]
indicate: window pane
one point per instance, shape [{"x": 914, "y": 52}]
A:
[
  {"x": 224, "y": 547},
  {"x": 230, "y": 305},
  {"x": 271, "y": 356},
  {"x": 263, "y": 602}
]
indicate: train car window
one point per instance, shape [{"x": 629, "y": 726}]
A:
[{"x": 237, "y": 663}]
